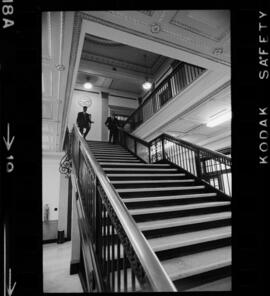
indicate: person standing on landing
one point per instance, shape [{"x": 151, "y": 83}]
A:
[
  {"x": 84, "y": 122},
  {"x": 112, "y": 124}
]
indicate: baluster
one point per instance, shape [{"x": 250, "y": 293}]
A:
[
  {"x": 177, "y": 154},
  {"x": 222, "y": 187},
  {"x": 198, "y": 163},
  {"x": 218, "y": 173},
  {"x": 227, "y": 175},
  {"x": 163, "y": 149},
  {"x": 103, "y": 238},
  {"x": 125, "y": 271},
  {"x": 133, "y": 280},
  {"x": 174, "y": 153},
  {"x": 108, "y": 251},
  {"x": 113, "y": 258},
  {"x": 118, "y": 265},
  {"x": 193, "y": 162}
]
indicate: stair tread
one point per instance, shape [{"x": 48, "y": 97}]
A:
[
  {"x": 152, "y": 181},
  {"x": 178, "y": 208},
  {"x": 182, "y": 221},
  {"x": 137, "y": 164},
  {"x": 190, "y": 265},
  {"x": 189, "y": 238},
  {"x": 224, "y": 284},
  {"x": 159, "y": 188},
  {"x": 168, "y": 197},
  {"x": 139, "y": 169},
  {"x": 146, "y": 175}
]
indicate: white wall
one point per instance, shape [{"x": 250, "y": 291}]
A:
[
  {"x": 122, "y": 102},
  {"x": 50, "y": 185},
  {"x": 95, "y": 110}
]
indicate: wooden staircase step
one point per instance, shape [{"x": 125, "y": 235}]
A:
[
  {"x": 189, "y": 265},
  {"x": 189, "y": 238},
  {"x": 157, "y": 198},
  {"x": 178, "y": 208},
  {"x": 182, "y": 221},
  {"x": 159, "y": 189}
]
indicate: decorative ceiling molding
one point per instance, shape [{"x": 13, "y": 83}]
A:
[
  {"x": 155, "y": 38},
  {"x": 190, "y": 29},
  {"x": 102, "y": 41},
  {"x": 88, "y": 56},
  {"x": 147, "y": 12}
]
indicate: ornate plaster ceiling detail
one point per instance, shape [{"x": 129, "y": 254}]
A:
[
  {"x": 155, "y": 28},
  {"x": 102, "y": 41},
  {"x": 180, "y": 39},
  {"x": 128, "y": 18},
  {"x": 147, "y": 12},
  {"x": 124, "y": 64},
  {"x": 219, "y": 34}
]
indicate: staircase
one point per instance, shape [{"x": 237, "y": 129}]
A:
[{"x": 186, "y": 223}]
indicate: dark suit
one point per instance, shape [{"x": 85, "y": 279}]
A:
[
  {"x": 84, "y": 122},
  {"x": 112, "y": 125}
]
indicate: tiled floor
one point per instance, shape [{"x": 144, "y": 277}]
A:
[{"x": 56, "y": 264}]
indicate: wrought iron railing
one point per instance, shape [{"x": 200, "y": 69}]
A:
[
  {"x": 181, "y": 77},
  {"x": 120, "y": 258},
  {"x": 210, "y": 166}
]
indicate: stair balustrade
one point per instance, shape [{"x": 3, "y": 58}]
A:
[
  {"x": 116, "y": 256},
  {"x": 210, "y": 166},
  {"x": 180, "y": 78}
]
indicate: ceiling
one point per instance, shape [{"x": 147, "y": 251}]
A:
[
  {"x": 113, "y": 66},
  {"x": 192, "y": 125},
  {"x": 205, "y": 33}
]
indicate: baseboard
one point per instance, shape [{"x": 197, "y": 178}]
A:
[
  {"x": 74, "y": 267},
  {"x": 50, "y": 241}
]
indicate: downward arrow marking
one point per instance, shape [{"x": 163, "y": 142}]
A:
[
  {"x": 9, "y": 289},
  {"x": 7, "y": 141}
]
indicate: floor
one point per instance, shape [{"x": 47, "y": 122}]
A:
[{"x": 56, "y": 264}]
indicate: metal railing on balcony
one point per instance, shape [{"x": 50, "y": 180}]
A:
[
  {"x": 116, "y": 255},
  {"x": 210, "y": 166},
  {"x": 181, "y": 77}
]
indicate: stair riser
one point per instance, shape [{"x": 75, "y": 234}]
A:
[
  {"x": 204, "y": 278},
  {"x": 159, "y": 203},
  {"x": 186, "y": 228},
  {"x": 142, "y": 178},
  {"x": 182, "y": 213},
  {"x": 161, "y": 193},
  {"x": 192, "y": 249},
  {"x": 153, "y": 185},
  {"x": 119, "y": 160},
  {"x": 130, "y": 166},
  {"x": 147, "y": 171}
]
